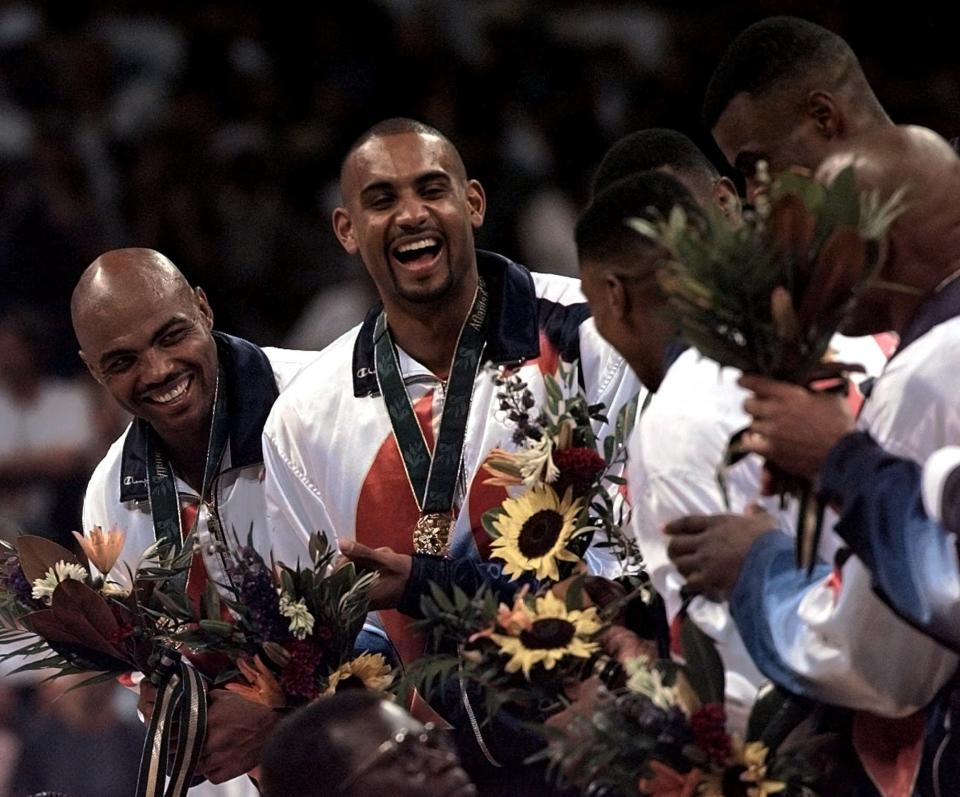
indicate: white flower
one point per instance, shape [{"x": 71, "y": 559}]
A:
[
  {"x": 301, "y": 621},
  {"x": 62, "y": 571},
  {"x": 111, "y": 589},
  {"x": 536, "y": 463},
  {"x": 648, "y": 681}
]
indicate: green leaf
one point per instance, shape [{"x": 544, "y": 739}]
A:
[
  {"x": 441, "y": 598},
  {"x": 218, "y": 627},
  {"x": 704, "y": 666},
  {"x": 488, "y": 518},
  {"x": 775, "y": 714}
]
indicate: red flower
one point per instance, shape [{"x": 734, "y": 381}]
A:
[
  {"x": 579, "y": 469},
  {"x": 299, "y": 676},
  {"x": 709, "y": 726}
]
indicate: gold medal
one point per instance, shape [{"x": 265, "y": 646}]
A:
[{"x": 431, "y": 535}]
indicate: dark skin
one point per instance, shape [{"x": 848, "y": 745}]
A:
[
  {"x": 794, "y": 427},
  {"x": 404, "y": 190},
  {"x": 145, "y": 335},
  {"x": 709, "y": 550}
]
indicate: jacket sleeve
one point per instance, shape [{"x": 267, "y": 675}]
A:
[
  {"x": 607, "y": 380},
  {"x": 295, "y": 509},
  {"x": 912, "y": 558},
  {"x": 830, "y": 637},
  {"x": 941, "y": 487},
  {"x": 468, "y": 574}
]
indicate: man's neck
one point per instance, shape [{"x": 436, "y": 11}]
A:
[
  {"x": 187, "y": 453},
  {"x": 430, "y": 333}
]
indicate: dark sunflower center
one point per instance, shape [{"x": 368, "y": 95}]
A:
[
  {"x": 549, "y": 633},
  {"x": 350, "y": 682},
  {"x": 540, "y": 533}
]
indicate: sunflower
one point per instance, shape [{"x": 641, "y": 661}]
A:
[
  {"x": 534, "y": 531},
  {"x": 370, "y": 669},
  {"x": 553, "y": 634},
  {"x": 746, "y": 776},
  {"x": 753, "y": 756}
]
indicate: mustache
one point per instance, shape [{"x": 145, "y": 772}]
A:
[{"x": 159, "y": 386}]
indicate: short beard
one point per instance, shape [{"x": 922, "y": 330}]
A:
[{"x": 424, "y": 296}]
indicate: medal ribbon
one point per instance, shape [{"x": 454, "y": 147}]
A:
[
  {"x": 433, "y": 478},
  {"x": 162, "y": 483}
]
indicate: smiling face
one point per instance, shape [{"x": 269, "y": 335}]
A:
[
  {"x": 410, "y": 213},
  {"x": 148, "y": 340}
]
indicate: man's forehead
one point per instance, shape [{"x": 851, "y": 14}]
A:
[
  {"x": 122, "y": 314},
  {"x": 735, "y": 129},
  {"x": 399, "y": 156}
]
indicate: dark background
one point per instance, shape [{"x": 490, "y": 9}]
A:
[{"x": 213, "y": 131}]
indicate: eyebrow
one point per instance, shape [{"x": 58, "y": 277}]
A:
[
  {"x": 114, "y": 353},
  {"x": 420, "y": 180}
]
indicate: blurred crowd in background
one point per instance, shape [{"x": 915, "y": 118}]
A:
[{"x": 213, "y": 132}]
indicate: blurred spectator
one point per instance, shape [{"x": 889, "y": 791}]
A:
[
  {"x": 213, "y": 131},
  {"x": 45, "y": 433},
  {"x": 85, "y": 742}
]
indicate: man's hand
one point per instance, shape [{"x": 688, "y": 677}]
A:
[
  {"x": 148, "y": 698},
  {"x": 237, "y": 729},
  {"x": 624, "y": 645},
  {"x": 709, "y": 550},
  {"x": 793, "y": 427},
  {"x": 392, "y": 567}
]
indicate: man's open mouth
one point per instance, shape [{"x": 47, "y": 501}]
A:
[
  {"x": 170, "y": 393},
  {"x": 417, "y": 252}
]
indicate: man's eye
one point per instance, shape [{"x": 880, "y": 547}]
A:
[
  {"x": 118, "y": 366},
  {"x": 381, "y": 202},
  {"x": 173, "y": 337},
  {"x": 434, "y": 192}
]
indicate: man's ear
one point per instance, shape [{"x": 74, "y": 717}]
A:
[
  {"x": 726, "y": 196},
  {"x": 343, "y": 229},
  {"x": 823, "y": 109},
  {"x": 477, "y": 200},
  {"x": 93, "y": 371},
  {"x": 616, "y": 296},
  {"x": 206, "y": 311}
]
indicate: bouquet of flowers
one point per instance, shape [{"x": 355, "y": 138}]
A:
[
  {"x": 526, "y": 647},
  {"x": 767, "y": 297},
  {"x": 663, "y": 733},
  {"x": 567, "y": 490},
  {"x": 292, "y": 632},
  {"x": 59, "y": 616},
  {"x": 655, "y": 737}
]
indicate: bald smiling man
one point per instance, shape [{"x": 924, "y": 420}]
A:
[{"x": 147, "y": 336}]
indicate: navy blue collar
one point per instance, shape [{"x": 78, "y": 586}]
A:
[
  {"x": 513, "y": 332},
  {"x": 251, "y": 392},
  {"x": 940, "y": 307}
]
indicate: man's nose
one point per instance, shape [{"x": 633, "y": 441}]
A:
[
  {"x": 755, "y": 188},
  {"x": 412, "y": 212},
  {"x": 155, "y": 367}
]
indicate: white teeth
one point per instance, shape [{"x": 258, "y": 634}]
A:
[
  {"x": 170, "y": 395},
  {"x": 424, "y": 244}
]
